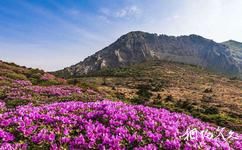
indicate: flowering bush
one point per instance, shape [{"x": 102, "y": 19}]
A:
[
  {"x": 2, "y": 106},
  {"x": 23, "y": 82},
  {"x": 18, "y": 93},
  {"x": 21, "y": 92},
  {"x": 55, "y": 90},
  {"x": 103, "y": 125},
  {"x": 47, "y": 76}
]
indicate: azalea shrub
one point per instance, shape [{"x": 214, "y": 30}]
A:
[
  {"x": 2, "y": 106},
  {"x": 22, "y": 92},
  {"x": 106, "y": 125}
]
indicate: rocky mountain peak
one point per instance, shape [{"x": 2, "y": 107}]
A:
[{"x": 137, "y": 46}]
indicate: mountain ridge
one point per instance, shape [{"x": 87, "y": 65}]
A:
[
  {"x": 137, "y": 46},
  {"x": 236, "y": 49}
]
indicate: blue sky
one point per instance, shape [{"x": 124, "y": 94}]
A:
[{"x": 53, "y": 34}]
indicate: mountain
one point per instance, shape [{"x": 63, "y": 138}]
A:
[
  {"x": 236, "y": 50},
  {"x": 136, "y": 47}
]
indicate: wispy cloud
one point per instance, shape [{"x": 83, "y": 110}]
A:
[
  {"x": 77, "y": 32},
  {"x": 54, "y": 36},
  {"x": 128, "y": 12},
  {"x": 125, "y": 12}
]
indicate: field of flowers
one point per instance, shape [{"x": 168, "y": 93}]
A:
[
  {"x": 61, "y": 116},
  {"x": 104, "y": 125},
  {"x": 21, "y": 92}
]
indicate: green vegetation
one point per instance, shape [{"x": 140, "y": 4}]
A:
[
  {"x": 143, "y": 93},
  {"x": 13, "y": 103},
  {"x": 15, "y": 76},
  {"x": 174, "y": 86},
  {"x": 120, "y": 96},
  {"x": 2, "y": 94},
  {"x": 206, "y": 113},
  {"x": 211, "y": 110},
  {"x": 117, "y": 72},
  {"x": 177, "y": 87}
]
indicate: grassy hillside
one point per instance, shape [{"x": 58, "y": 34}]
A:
[
  {"x": 41, "y": 111},
  {"x": 20, "y": 86},
  {"x": 178, "y": 87},
  {"x": 11, "y": 71}
]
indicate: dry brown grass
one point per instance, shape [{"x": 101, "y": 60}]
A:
[{"x": 184, "y": 82}]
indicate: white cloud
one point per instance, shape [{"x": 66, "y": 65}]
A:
[
  {"x": 128, "y": 12},
  {"x": 125, "y": 12}
]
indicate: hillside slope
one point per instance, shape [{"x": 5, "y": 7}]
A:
[
  {"x": 175, "y": 86},
  {"x": 20, "y": 86},
  {"x": 63, "y": 116},
  {"x": 137, "y": 47},
  {"x": 11, "y": 71}
]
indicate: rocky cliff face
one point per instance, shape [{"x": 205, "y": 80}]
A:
[
  {"x": 236, "y": 50},
  {"x": 136, "y": 47}
]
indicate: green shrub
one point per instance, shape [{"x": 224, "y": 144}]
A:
[
  {"x": 157, "y": 100},
  {"x": 48, "y": 82},
  {"x": 169, "y": 98},
  {"x": 5, "y": 83},
  {"x": 2, "y": 94},
  {"x": 34, "y": 75},
  {"x": 206, "y": 99},
  {"x": 73, "y": 81},
  {"x": 42, "y": 146},
  {"x": 234, "y": 115},
  {"x": 16, "y": 102},
  {"x": 104, "y": 81},
  {"x": 34, "y": 81},
  {"x": 143, "y": 92},
  {"x": 186, "y": 105},
  {"x": 158, "y": 84},
  {"x": 16, "y": 76},
  {"x": 211, "y": 110},
  {"x": 138, "y": 100},
  {"x": 120, "y": 96},
  {"x": 84, "y": 85},
  {"x": 222, "y": 120}
]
